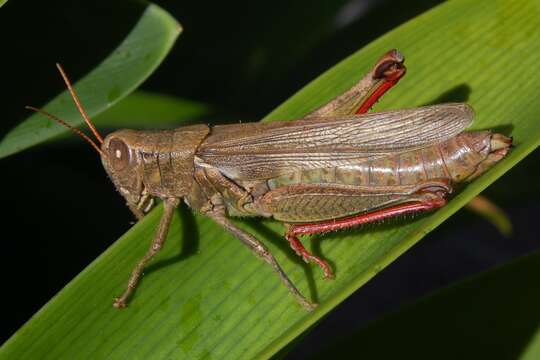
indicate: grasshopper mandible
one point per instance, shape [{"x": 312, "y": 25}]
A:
[{"x": 336, "y": 168}]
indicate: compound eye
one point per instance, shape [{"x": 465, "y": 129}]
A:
[{"x": 119, "y": 154}]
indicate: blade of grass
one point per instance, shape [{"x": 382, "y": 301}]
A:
[
  {"x": 150, "y": 110},
  {"x": 484, "y": 207},
  {"x": 493, "y": 315},
  {"x": 211, "y": 298},
  {"x": 119, "y": 74},
  {"x": 532, "y": 351}
]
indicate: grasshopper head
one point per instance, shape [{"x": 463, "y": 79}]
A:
[
  {"x": 117, "y": 155},
  {"x": 123, "y": 165}
]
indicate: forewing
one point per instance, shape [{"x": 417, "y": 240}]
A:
[{"x": 261, "y": 151}]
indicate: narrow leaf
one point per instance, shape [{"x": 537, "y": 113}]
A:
[
  {"x": 484, "y": 207},
  {"x": 493, "y": 315},
  {"x": 123, "y": 71},
  {"x": 150, "y": 110}
]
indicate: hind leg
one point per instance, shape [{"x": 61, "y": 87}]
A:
[{"x": 294, "y": 231}]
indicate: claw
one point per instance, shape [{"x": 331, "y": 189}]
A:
[
  {"x": 308, "y": 257},
  {"x": 119, "y": 303}
]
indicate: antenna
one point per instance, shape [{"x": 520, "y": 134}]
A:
[
  {"x": 78, "y": 103},
  {"x": 62, "y": 122},
  {"x": 81, "y": 110}
]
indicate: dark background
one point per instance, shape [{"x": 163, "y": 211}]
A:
[{"x": 243, "y": 58}]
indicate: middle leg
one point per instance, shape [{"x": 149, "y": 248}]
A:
[{"x": 218, "y": 215}]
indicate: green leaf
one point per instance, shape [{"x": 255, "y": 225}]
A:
[
  {"x": 2, "y": 2},
  {"x": 532, "y": 351},
  {"x": 149, "y": 110},
  {"x": 205, "y": 295},
  {"x": 484, "y": 207},
  {"x": 490, "y": 316},
  {"x": 123, "y": 71}
]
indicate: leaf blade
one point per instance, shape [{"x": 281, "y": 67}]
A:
[
  {"x": 468, "y": 306},
  {"x": 461, "y": 312},
  {"x": 143, "y": 109},
  {"x": 118, "y": 75}
]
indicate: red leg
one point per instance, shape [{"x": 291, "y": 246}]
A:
[
  {"x": 332, "y": 225},
  {"x": 307, "y": 256},
  {"x": 389, "y": 70}
]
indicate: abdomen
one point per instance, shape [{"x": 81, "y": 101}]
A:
[
  {"x": 453, "y": 160},
  {"x": 311, "y": 195}
]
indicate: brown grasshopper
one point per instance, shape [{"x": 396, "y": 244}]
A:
[{"x": 336, "y": 168}]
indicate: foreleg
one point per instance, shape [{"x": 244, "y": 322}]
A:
[{"x": 161, "y": 235}]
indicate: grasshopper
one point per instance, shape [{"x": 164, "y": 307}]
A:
[{"x": 336, "y": 168}]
